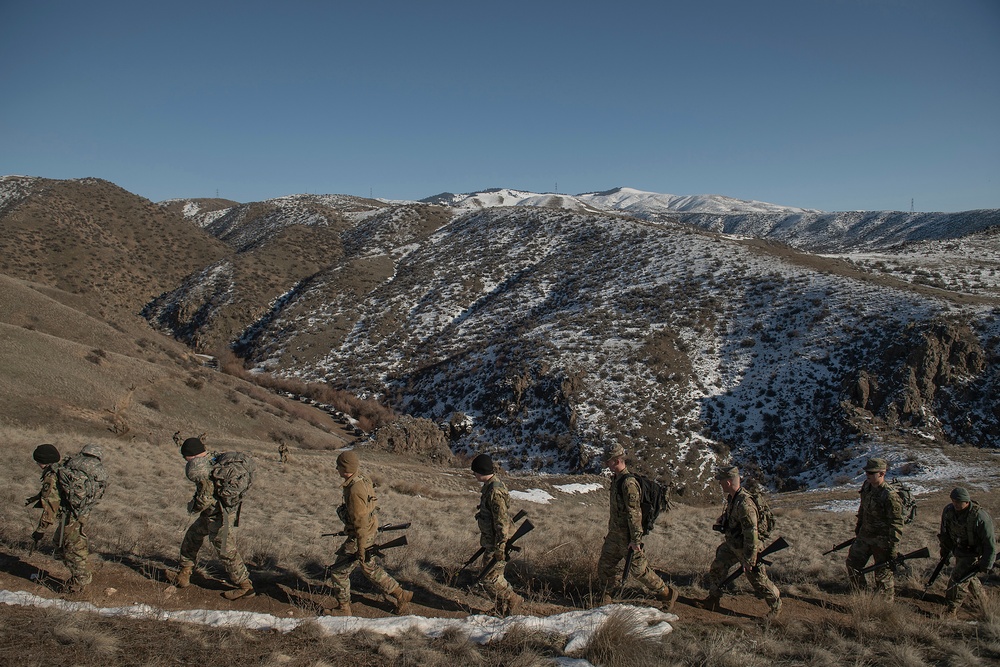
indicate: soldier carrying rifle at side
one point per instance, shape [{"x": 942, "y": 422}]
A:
[
  {"x": 359, "y": 512},
  {"x": 741, "y": 525},
  {"x": 878, "y": 531},
  {"x": 495, "y": 528},
  {"x": 966, "y": 532}
]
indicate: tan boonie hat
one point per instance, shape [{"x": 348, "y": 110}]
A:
[
  {"x": 876, "y": 465},
  {"x": 614, "y": 452},
  {"x": 729, "y": 472}
]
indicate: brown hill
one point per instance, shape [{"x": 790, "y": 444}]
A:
[{"x": 89, "y": 236}]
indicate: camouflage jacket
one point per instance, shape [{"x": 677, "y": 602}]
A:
[
  {"x": 48, "y": 498},
  {"x": 199, "y": 470},
  {"x": 880, "y": 515},
  {"x": 739, "y": 526},
  {"x": 360, "y": 510},
  {"x": 626, "y": 512},
  {"x": 493, "y": 514},
  {"x": 969, "y": 534}
]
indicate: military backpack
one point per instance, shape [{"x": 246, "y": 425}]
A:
[
  {"x": 652, "y": 499},
  {"x": 81, "y": 481},
  {"x": 906, "y": 499},
  {"x": 232, "y": 476},
  {"x": 765, "y": 517}
]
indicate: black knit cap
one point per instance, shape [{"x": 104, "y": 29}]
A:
[
  {"x": 192, "y": 447},
  {"x": 482, "y": 464},
  {"x": 46, "y": 454}
]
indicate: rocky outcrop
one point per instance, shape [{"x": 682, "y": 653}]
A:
[
  {"x": 413, "y": 436},
  {"x": 901, "y": 386}
]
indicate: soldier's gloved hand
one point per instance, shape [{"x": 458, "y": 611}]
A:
[
  {"x": 37, "y": 536},
  {"x": 362, "y": 555},
  {"x": 500, "y": 552},
  {"x": 981, "y": 566},
  {"x": 191, "y": 506}
]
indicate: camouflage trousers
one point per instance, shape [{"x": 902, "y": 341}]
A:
[
  {"x": 863, "y": 550},
  {"x": 725, "y": 558},
  {"x": 954, "y": 596},
  {"x": 495, "y": 583},
  {"x": 612, "y": 553},
  {"x": 75, "y": 550},
  {"x": 216, "y": 525},
  {"x": 339, "y": 574}
]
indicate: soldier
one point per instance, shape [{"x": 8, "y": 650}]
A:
[
  {"x": 213, "y": 522},
  {"x": 282, "y": 452},
  {"x": 878, "y": 530},
  {"x": 495, "y": 527},
  {"x": 46, "y": 456},
  {"x": 967, "y": 532},
  {"x": 624, "y": 533},
  {"x": 359, "y": 512},
  {"x": 741, "y": 545},
  {"x": 71, "y": 506}
]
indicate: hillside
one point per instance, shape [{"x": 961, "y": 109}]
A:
[{"x": 541, "y": 333}]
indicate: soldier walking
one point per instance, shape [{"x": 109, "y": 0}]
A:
[
  {"x": 213, "y": 522},
  {"x": 878, "y": 531},
  {"x": 282, "y": 452},
  {"x": 69, "y": 491},
  {"x": 359, "y": 512},
  {"x": 495, "y": 528},
  {"x": 740, "y": 526},
  {"x": 624, "y": 535},
  {"x": 966, "y": 532}
]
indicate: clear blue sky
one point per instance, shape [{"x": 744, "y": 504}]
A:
[{"x": 834, "y": 105}]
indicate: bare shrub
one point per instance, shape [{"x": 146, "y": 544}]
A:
[{"x": 622, "y": 641}]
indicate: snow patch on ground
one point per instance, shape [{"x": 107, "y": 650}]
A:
[
  {"x": 579, "y": 488},
  {"x": 533, "y": 496},
  {"x": 576, "y": 626}
]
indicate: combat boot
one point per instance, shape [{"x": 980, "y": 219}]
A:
[
  {"x": 342, "y": 609},
  {"x": 511, "y": 605},
  {"x": 402, "y": 598},
  {"x": 72, "y": 586},
  {"x": 244, "y": 591},
  {"x": 669, "y": 595},
  {"x": 774, "y": 609},
  {"x": 184, "y": 576},
  {"x": 712, "y": 602}
]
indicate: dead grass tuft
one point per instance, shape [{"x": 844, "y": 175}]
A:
[{"x": 621, "y": 641}]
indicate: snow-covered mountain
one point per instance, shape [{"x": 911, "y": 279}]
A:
[
  {"x": 551, "y": 325},
  {"x": 553, "y": 330}
]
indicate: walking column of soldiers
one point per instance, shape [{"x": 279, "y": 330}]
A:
[{"x": 72, "y": 486}]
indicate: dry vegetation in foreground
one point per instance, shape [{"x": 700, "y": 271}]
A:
[{"x": 137, "y": 530}]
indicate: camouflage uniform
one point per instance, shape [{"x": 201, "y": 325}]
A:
[
  {"x": 624, "y": 528},
  {"x": 969, "y": 536},
  {"x": 360, "y": 516},
  {"x": 213, "y": 522},
  {"x": 73, "y": 546},
  {"x": 493, "y": 516},
  {"x": 282, "y": 453},
  {"x": 741, "y": 547},
  {"x": 879, "y": 529}
]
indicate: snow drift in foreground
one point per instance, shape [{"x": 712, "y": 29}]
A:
[{"x": 576, "y": 626}]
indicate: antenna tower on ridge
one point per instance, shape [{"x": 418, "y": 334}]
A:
[{"x": 911, "y": 204}]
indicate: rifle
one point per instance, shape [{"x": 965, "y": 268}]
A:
[
  {"x": 35, "y": 499},
  {"x": 628, "y": 566},
  {"x": 777, "y": 545},
  {"x": 840, "y": 546},
  {"x": 239, "y": 510},
  {"x": 898, "y": 560},
  {"x": 937, "y": 570},
  {"x": 374, "y": 550},
  {"x": 521, "y": 531},
  {"x": 34, "y": 545},
  {"x": 964, "y": 578},
  {"x": 517, "y": 517},
  {"x": 383, "y": 528}
]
